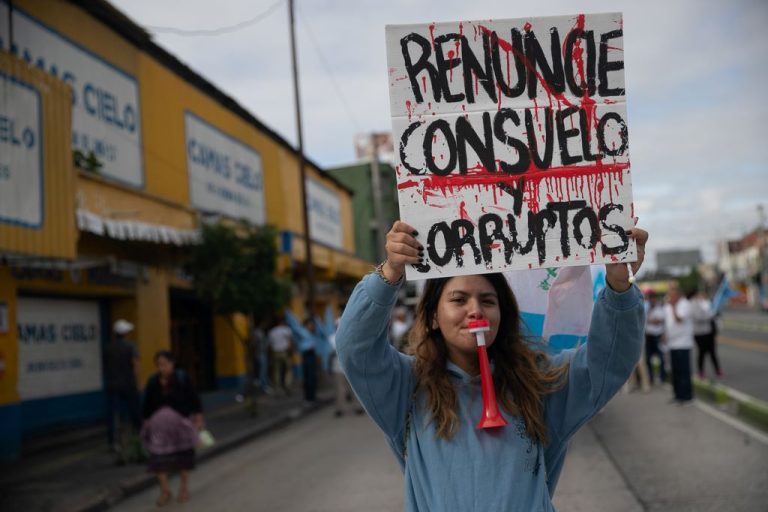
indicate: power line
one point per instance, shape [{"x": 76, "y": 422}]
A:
[
  {"x": 327, "y": 69},
  {"x": 217, "y": 31}
]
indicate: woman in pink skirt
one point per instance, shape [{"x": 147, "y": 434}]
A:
[{"x": 172, "y": 419}]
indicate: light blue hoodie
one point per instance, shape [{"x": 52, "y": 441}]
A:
[{"x": 491, "y": 470}]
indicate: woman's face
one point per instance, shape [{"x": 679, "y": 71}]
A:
[
  {"x": 464, "y": 299},
  {"x": 164, "y": 366}
]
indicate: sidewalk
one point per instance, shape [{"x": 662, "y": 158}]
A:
[{"x": 73, "y": 471}]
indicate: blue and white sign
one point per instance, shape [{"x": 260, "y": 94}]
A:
[
  {"x": 324, "y": 214},
  {"x": 225, "y": 175},
  {"x": 59, "y": 347},
  {"x": 105, "y": 100},
  {"x": 21, "y": 155}
]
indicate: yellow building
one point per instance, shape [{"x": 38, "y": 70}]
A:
[{"x": 84, "y": 244}]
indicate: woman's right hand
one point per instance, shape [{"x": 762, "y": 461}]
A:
[{"x": 402, "y": 248}]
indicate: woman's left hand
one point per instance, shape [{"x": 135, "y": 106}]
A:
[{"x": 616, "y": 274}]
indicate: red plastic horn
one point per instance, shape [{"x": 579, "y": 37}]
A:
[{"x": 491, "y": 415}]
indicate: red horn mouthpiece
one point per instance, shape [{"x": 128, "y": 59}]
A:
[{"x": 491, "y": 415}]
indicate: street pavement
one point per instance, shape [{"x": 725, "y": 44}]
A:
[
  {"x": 322, "y": 464},
  {"x": 640, "y": 454},
  {"x": 743, "y": 350},
  {"x": 683, "y": 459}
]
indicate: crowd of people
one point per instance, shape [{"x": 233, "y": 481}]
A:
[{"x": 675, "y": 323}]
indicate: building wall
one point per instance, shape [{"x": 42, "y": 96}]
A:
[
  {"x": 129, "y": 279},
  {"x": 53, "y": 233},
  {"x": 358, "y": 178}
]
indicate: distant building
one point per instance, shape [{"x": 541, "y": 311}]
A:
[
  {"x": 370, "y": 231},
  {"x": 678, "y": 262},
  {"x": 745, "y": 263}
]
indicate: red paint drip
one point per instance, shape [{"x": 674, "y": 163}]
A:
[
  {"x": 463, "y": 212},
  {"x": 577, "y": 177},
  {"x": 588, "y": 104},
  {"x": 451, "y": 55},
  {"x": 432, "y": 34},
  {"x": 409, "y": 108}
]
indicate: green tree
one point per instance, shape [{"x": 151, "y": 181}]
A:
[
  {"x": 691, "y": 282},
  {"x": 233, "y": 268}
]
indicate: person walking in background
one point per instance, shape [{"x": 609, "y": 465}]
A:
[
  {"x": 262, "y": 356},
  {"x": 398, "y": 330},
  {"x": 678, "y": 330},
  {"x": 308, "y": 341},
  {"x": 255, "y": 367},
  {"x": 704, "y": 331},
  {"x": 281, "y": 345},
  {"x": 654, "y": 329},
  {"x": 345, "y": 397},
  {"x": 257, "y": 355},
  {"x": 172, "y": 420},
  {"x": 121, "y": 370}
]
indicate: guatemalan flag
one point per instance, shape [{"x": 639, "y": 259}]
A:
[{"x": 556, "y": 303}]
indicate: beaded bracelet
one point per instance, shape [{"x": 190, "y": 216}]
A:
[{"x": 380, "y": 272}]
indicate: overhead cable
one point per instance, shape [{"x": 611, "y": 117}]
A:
[
  {"x": 216, "y": 31},
  {"x": 328, "y": 71}
]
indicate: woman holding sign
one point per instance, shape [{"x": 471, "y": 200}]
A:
[{"x": 428, "y": 403}]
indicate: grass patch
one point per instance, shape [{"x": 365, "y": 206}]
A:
[
  {"x": 755, "y": 413},
  {"x": 710, "y": 392}
]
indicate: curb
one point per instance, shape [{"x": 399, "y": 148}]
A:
[
  {"x": 748, "y": 409},
  {"x": 140, "y": 482}
]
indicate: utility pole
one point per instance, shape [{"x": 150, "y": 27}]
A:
[
  {"x": 378, "y": 211},
  {"x": 762, "y": 259},
  {"x": 302, "y": 169},
  {"x": 10, "y": 27}
]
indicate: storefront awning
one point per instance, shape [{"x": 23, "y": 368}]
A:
[{"x": 134, "y": 230}]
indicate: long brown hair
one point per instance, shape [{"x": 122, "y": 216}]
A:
[{"x": 520, "y": 371}]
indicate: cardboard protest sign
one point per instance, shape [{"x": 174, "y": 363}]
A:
[{"x": 511, "y": 142}]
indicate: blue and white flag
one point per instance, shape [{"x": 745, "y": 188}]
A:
[
  {"x": 556, "y": 303},
  {"x": 319, "y": 338},
  {"x": 723, "y": 293}
]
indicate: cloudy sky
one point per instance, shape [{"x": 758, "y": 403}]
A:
[{"x": 694, "y": 75}]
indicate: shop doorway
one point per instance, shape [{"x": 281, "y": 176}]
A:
[{"x": 192, "y": 338}]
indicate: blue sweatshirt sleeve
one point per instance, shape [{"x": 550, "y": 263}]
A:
[
  {"x": 597, "y": 370},
  {"x": 380, "y": 375}
]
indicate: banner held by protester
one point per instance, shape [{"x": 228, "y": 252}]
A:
[{"x": 511, "y": 142}]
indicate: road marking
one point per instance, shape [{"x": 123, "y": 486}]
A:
[
  {"x": 745, "y": 325},
  {"x": 749, "y": 345},
  {"x": 738, "y": 425}
]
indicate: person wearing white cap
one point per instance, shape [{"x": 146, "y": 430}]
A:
[{"x": 121, "y": 363}]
